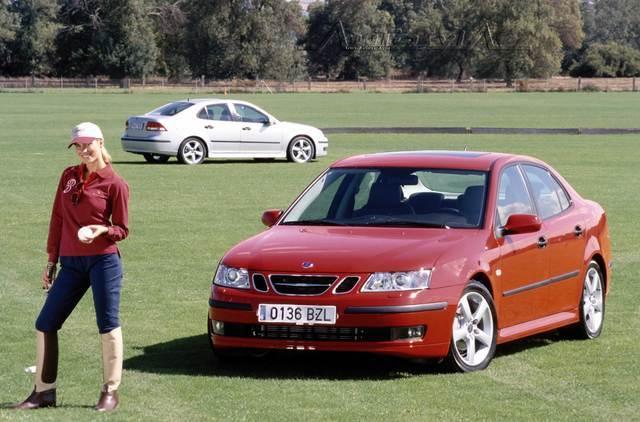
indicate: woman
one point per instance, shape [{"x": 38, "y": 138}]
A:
[{"x": 90, "y": 214}]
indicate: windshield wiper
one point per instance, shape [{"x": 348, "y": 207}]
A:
[
  {"x": 315, "y": 222},
  {"x": 398, "y": 222}
]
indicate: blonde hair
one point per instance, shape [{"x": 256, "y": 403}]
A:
[{"x": 105, "y": 154}]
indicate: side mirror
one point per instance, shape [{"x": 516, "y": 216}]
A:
[
  {"x": 270, "y": 217},
  {"x": 522, "y": 223}
]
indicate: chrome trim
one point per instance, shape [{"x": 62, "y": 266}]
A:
[
  {"x": 265, "y": 283},
  {"x": 143, "y": 140},
  {"x": 541, "y": 283},
  {"x": 436, "y": 306},
  {"x": 302, "y": 275},
  {"x": 340, "y": 282}
]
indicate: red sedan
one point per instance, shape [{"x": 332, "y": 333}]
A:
[{"x": 430, "y": 254}]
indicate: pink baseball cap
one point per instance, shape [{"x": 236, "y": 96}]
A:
[{"x": 85, "y": 133}]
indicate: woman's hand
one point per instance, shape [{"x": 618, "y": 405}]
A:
[
  {"x": 96, "y": 230},
  {"x": 48, "y": 275}
]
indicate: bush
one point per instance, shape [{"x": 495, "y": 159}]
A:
[{"x": 608, "y": 60}]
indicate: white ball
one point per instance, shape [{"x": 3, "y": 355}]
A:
[{"x": 85, "y": 233}]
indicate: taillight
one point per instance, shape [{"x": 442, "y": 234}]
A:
[{"x": 154, "y": 127}]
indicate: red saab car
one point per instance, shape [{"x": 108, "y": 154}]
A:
[{"x": 430, "y": 254}]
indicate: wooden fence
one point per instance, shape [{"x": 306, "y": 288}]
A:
[{"x": 419, "y": 85}]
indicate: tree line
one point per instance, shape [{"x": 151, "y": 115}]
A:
[{"x": 336, "y": 39}]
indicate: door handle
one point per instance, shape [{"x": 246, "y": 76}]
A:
[
  {"x": 246, "y": 128},
  {"x": 542, "y": 242},
  {"x": 578, "y": 231},
  {"x": 208, "y": 127}
]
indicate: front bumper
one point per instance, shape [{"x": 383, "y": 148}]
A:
[{"x": 373, "y": 323}]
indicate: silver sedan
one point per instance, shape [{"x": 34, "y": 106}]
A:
[{"x": 193, "y": 130}]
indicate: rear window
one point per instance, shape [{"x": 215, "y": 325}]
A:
[{"x": 172, "y": 109}]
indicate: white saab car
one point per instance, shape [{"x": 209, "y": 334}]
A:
[{"x": 192, "y": 130}]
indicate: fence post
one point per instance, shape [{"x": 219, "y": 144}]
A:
[
  {"x": 579, "y": 84},
  {"x": 633, "y": 88}
]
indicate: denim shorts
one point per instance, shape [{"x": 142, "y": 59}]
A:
[{"x": 103, "y": 273}]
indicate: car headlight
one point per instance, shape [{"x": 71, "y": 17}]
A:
[
  {"x": 409, "y": 280},
  {"x": 231, "y": 277}
]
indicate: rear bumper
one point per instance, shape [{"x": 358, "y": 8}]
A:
[{"x": 149, "y": 145}]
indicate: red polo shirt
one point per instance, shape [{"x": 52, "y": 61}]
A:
[{"x": 103, "y": 198}]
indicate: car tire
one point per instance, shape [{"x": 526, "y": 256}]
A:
[
  {"x": 592, "y": 303},
  {"x": 474, "y": 330},
  {"x": 300, "y": 150},
  {"x": 155, "y": 158},
  {"x": 192, "y": 151}
]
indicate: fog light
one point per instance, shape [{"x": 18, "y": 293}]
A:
[
  {"x": 218, "y": 327},
  {"x": 416, "y": 332},
  {"x": 402, "y": 333}
]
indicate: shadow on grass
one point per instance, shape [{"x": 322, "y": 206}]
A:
[
  {"x": 193, "y": 356},
  {"x": 59, "y": 406},
  {"x": 208, "y": 162},
  {"x": 540, "y": 340}
]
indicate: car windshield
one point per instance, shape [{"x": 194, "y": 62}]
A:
[
  {"x": 402, "y": 197},
  {"x": 171, "y": 109}
]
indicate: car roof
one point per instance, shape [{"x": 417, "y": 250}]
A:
[
  {"x": 467, "y": 160},
  {"x": 210, "y": 100}
]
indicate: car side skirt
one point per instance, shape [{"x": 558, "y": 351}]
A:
[{"x": 536, "y": 326}]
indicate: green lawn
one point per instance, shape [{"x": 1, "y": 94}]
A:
[{"x": 184, "y": 218}]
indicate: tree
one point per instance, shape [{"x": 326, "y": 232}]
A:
[
  {"x": 448, "y": 36},
  {"x": 33, "y": 48},
  {"x": 245, "y": 38},
  {"x": 8, "y": 28},
  {"x": 520, "y": 41},
  {"x": 170, "y": 23},
  {"x": 350, "y": 39},
  {"x": 112, "y": 37},
  {"x": 617, "y": 21}
]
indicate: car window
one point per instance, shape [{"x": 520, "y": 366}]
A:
[
  {"x": 215, "y": 112},
  {"x": 250, "y": 114},
  {"x": 548, "y": 194},
  {"x": 513, "y": 197},
  {"x": 171, "y": 109},
  {"x": 378, "y": 196}
]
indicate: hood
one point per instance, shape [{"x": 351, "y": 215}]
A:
[
  {"x": 299, "y": 127},
  {"x": 343, "y": 249}
]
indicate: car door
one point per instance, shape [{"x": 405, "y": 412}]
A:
[
  {"x": 523, "y": 260},
  {"x": 565, "y": 239},
  {"x": 223, "y": 134},
  {"x": 258, "y": 135}
]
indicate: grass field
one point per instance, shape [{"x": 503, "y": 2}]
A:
[{"x": 184, "y": 218}]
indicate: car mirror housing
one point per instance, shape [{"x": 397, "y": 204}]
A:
[
  {"x": 270, "y": 217},
  {"x": 522, "y": 223}
]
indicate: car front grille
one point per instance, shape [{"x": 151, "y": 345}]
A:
[
  {"x": 305, "y": 285},
  {"x": 311, "y": 332}
]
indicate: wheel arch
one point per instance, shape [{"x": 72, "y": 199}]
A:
[
  {"x": 483, "y": 279},
  {"x": 206, "y": 147},
  {"x": 599, "y": 259}
]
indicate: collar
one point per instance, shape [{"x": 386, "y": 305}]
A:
[{"x": 103, "y": 173}]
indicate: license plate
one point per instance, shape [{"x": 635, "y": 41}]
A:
[
  {"x": 297, "y": 314},
  {"x": 136, "y": 124}
]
